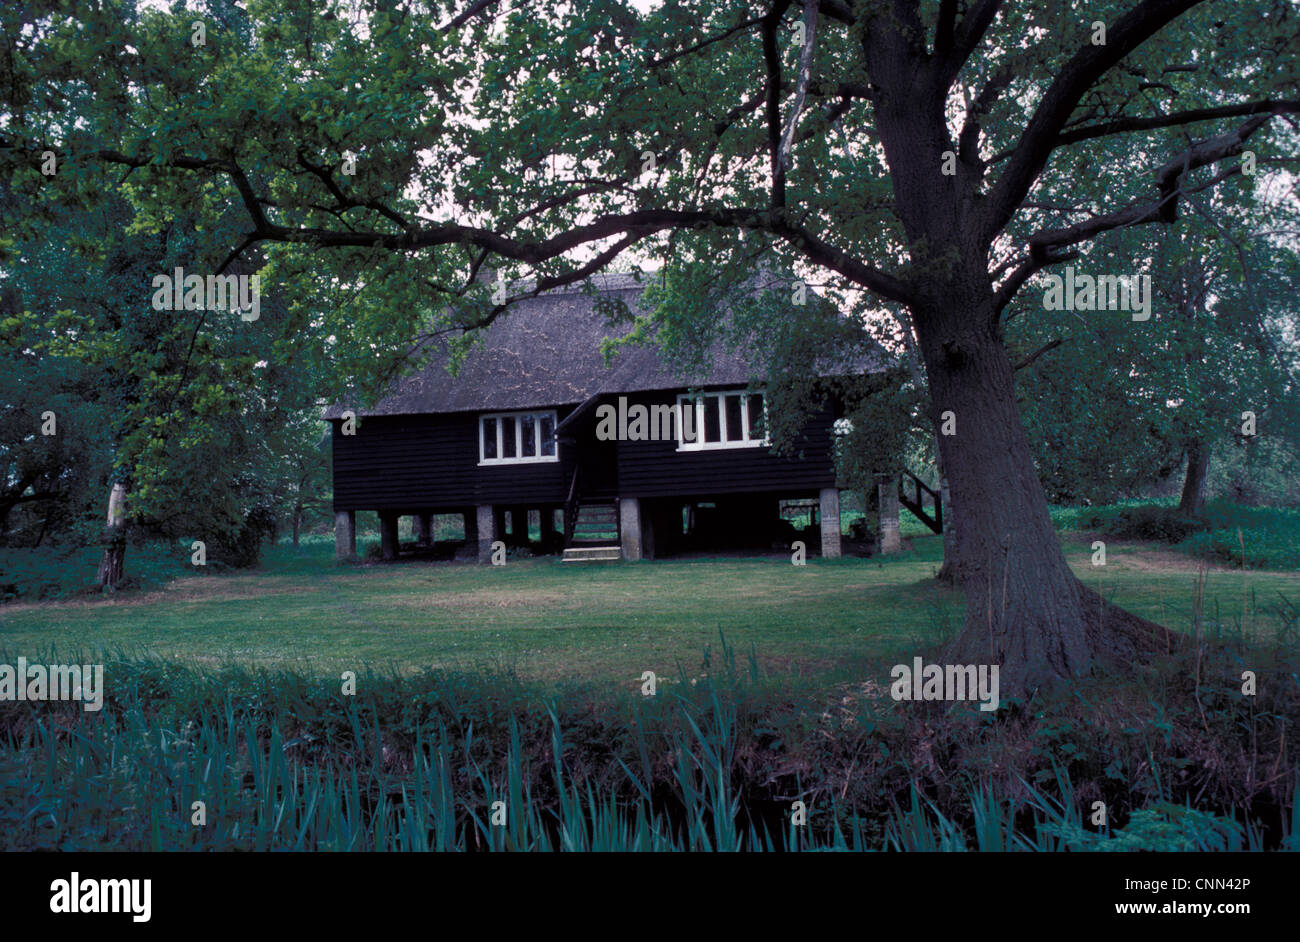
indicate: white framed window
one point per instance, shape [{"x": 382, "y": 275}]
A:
[
  {"x": 517, "y": 437},
  {"x": 731, "y": 418}
]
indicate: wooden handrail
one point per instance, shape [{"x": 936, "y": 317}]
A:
[
  {"x": 917, "y": 504},
  {"x": 571, "y": 507},
  {"x": 920, "y": 485},
  {"x": 573, "y": 487}
]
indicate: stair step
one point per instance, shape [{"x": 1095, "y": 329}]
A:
[{"x": 591, "y": 554}]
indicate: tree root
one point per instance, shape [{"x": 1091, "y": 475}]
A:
[{"x": 1115, "y": 634}]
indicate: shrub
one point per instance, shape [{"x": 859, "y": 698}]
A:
[
  {"x": 1271, "y": 535},
  {"x": 55, "y": 572},
  {"x": 1153, "y": 522}
]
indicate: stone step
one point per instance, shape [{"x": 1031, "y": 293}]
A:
[{"x": 591, "y": 554}]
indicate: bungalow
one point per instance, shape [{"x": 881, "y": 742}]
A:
[{"x": 629, "y": 460}]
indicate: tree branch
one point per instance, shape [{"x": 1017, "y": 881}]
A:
[
  {"x": 473, "y": 11},
  {"x": 772, "y": 65},
  {"x": 1050, "y": 345},
  {"x": 964, "y": 40},
  {"x": 1121, "y": 125},
  {"x": 805, "y": 76},
  {"x": 1169, "y": 181},
  {"x": 1073, "y": 80},
  {"x": 704, "y": 43},
  {"x": 1016, "y": 280}
]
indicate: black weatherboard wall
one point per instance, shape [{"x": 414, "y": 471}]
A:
[
  {"x": 659, "y": 469},
  {"x": 414, "y": 463},
  {"x": 430, "y": 462}
]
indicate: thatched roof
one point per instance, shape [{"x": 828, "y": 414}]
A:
[{"x": 545, "y": 351}]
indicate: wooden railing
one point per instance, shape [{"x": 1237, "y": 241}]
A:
[
  {"x": 916, "y": 503},
  {"x": 571, "y": 509}
]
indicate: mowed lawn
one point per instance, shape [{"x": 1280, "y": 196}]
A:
[{"x": 600, "y": 622}]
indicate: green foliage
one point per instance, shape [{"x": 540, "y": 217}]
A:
[
  {"x": 213, "y": 421},
  {"x": 1152, "y": 522},
  {"x": 413, "y": 762},
  {"x": 61, "y": 571},
  {"x": 1219, "y": 532},
  {"x": 1119, "y": 403},
  {"x": 1269, "y": 537}
]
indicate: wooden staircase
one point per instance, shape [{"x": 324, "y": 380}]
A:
[
  {"x": 916, "y": 503},
  {"x": 595, "y": 536}
]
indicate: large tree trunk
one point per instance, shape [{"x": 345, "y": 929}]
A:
[
  {"x": 112, "y": 563},
  {"x": 947, "y": 574},
  {"x": 1198, "y": 469},
  {"x": 1025, "y": 609}
]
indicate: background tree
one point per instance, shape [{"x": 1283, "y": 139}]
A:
[
  {"x": 204, "y": 424},
  {"x": 1216, "y": 345}
]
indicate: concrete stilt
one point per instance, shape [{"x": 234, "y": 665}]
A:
[
  {"x": 487, "y": 531},
  {"x": 629, "y": 527},
  {"x": 829, "y": 515},
  {"x": 890, "y": 539},
  {"x": 345, "y": 534},
  {"x": 424, "y": 529}
]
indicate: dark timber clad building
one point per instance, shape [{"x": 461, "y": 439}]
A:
[{"x": 516, "y": 431}]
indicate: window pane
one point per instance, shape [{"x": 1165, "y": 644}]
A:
[
  {"x": 528, "y": 436},
  {"x": 687, "y": 426},
  {"x": 548, "y": 434},
  {"x": 489, "y": 438},
  {"x": 712, "y": 419},
  {"x": 757, "y": 432},
  {"x": 735, "y": 431},
  {"x": 509, "y": 447}
]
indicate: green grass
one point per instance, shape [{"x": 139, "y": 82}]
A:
[{"x": 546, "y": 620}]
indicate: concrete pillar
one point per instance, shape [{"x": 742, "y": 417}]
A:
[
  {"x": 829, "y": 515},
  {"x": 629, "y": 527},
  {"x": 486, "y": 519},
  {"x": 548, "y": 524},
  {"x": 388, "y": 534},
  {"x": 424, "y": 529},
  {"x": 890, "y": 539},
  {"x": 345, "y": 534}
]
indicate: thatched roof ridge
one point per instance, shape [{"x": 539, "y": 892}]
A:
[{"x": 546, "y": 351}]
